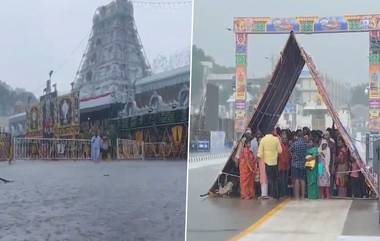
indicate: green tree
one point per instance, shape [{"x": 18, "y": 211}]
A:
[
  {"x": 9, "y": 97},
  {"x": 199, "y": 56}
]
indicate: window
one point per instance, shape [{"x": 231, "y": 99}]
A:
[
  {"x": 184, "y": 98},
  {"x": 130, "y": 109},
  {"x": 155, "y": 103},
  {"x": 89, "y": 76}
]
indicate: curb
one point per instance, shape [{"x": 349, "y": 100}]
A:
[{"x": 202, "y": 158}]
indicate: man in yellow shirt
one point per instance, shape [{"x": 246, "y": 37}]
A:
[{"x": 269, "y": 149}]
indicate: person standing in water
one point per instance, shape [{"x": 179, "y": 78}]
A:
[{"x": 95, "y": 147}]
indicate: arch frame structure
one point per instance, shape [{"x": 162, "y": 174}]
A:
[
  {"x": 244, "y": 26},
  {"x": 272, "y": 103}
]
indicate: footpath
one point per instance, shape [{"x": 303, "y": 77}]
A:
[{"x": 328, "y": 220}]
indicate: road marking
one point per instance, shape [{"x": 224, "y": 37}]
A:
[{"x": 261, "y": 221}]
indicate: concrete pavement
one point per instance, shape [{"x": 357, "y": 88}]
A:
[
  {"x": 367, "y": 212},
  {"x": 314, "y": 220},
  {"x": 216, "y": 219},
  {"x": 311, "y": 220},
  {"x": 233, "y": 219}
]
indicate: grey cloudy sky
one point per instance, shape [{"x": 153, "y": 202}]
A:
[
  {"x": 341, "y": 56},
  {"x": 40, "y": 35}
]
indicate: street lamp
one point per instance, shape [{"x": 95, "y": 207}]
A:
[{"x": 366, "y": 90}]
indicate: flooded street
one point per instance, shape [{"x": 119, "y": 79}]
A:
[{"x": 66, "y": 200}]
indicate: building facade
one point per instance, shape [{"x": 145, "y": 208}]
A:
[{"x": 305, "y": 107}]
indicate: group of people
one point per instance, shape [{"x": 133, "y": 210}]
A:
[
  {"x": 99, "y": 147},
  {"x": 303, "y": 164}
]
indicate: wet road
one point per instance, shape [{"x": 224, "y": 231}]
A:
[
  {"x": 218, "y": 219},
  {"x": 65, "y": 200},
  {"x": 366, "y": 211}
]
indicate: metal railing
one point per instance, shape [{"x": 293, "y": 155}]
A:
[
  {"x": 51, "y": 149},
  {"x": 199, "y": 157},
  {"x": 138, "y": 150},
  {"x": 156, "y": 150},
  {"x": 129, "y": 150},
  {"x": 5, "y": 146}
]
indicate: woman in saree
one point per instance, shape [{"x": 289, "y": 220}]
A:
[
  {"x": 247, "y": 168},
  {"x": 342, "y": 169},
  {"x": 312, "y": 170},
  {"x": 355, "y": 179},
  {"x": 323, "y": 169}
]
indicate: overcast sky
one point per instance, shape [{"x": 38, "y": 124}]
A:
[
  {"x": 341, "y": 56},
  {"x": 40, "y": 35}
]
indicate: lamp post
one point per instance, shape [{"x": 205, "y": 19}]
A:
[{"x": 366, "y": 90}]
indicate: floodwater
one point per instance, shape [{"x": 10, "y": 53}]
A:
[{"x": 67, "y": 200}]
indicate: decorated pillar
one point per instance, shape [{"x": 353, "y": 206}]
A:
[
  {"x": 374, "y": 81},
  {"x": 241, "y": 82}
]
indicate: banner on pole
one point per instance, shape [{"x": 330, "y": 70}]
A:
[
  {"x": 374, "y": 73},
  {"x": 241, "y": 82},
  {"x": 307, "y": 24}
]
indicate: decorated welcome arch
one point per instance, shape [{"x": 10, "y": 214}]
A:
[
  {"x": 271, "y": 105},
  {"x": 244, "y": 26}
]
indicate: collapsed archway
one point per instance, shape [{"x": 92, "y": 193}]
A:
[{"x": 271, "y": 105}]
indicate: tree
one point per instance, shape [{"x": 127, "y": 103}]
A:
[
  {"x": 197, "y": 71},
  {"x": 9, "y": 97}
]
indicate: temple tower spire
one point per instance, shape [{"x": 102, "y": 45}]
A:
[{"x": 114, "y": 58}]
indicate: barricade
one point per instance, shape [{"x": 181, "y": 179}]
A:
[
  {"x": 5, "y": 146},
  {"x": 129, "y": 149},
  {"x": 156, "y": 150},
  {"x": 138, "y": 150},
  {"x": 202, "y": 157},
  {"x": 51, "y": 149}
]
